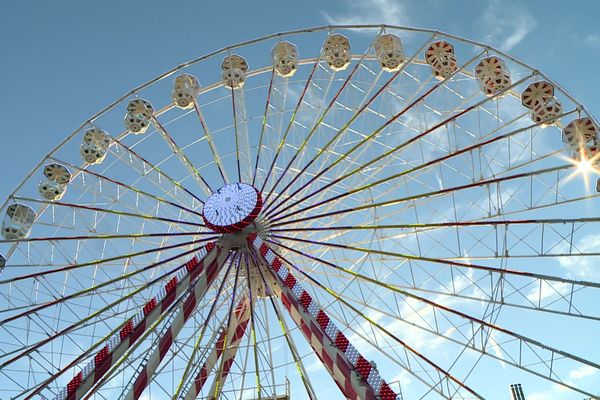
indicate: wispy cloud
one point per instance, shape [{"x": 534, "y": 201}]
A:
[
  {"x": 582, "y": 372},
  {"x": 506, "y": 24},
  {"x": 556, "y": 392},
  {"x": 592, "y": 39},
  {"x": 315, "y": 366},
  {"x": 403, "y": 379},
  {"x": 391, "y": 12},
  {"x": 584, "y": 266},
  {"x": 547, "y": 291}
]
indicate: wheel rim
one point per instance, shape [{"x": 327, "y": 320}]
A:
[{"x": 417, "y": 204}]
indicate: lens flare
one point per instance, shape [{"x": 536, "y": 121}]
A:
[{"x": 584, "y": 166}]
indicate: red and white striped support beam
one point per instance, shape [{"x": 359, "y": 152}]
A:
[
  {"x": 166, "y": 341},
  {"x": 203, "y": 267},
  {"x": 232, "y": 345},
  {"x": 339, "y": 357},
  {"x": 234, "y": 335}
]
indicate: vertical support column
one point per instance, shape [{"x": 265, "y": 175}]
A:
[
  {"x": 236, "y": 332},
  {"x": 516, "y": 392},
  {"x": 166, "y": 341},
  {"x": 139, "y": 323},
  {"x": 241, "y": 132},
  {"x": 354, "y": 375}
]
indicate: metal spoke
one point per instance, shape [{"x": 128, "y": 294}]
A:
[
  {"x": 155, "y": 168},
  {"x": 128, "y": 358},
  {"x": 263, "y": 126},
  {"x": 210, "y": 141},
  {"x": 531, "y": 355},
  {"x": 108, "y": 211},
  {"x": 480, "y": 184},
  {"x": 182, "y": 157},
  {"x": 310, "y": 391},
  {"x": 82, "y": 322},
  {"x": 254, "y": 344},
  {"x": 129, "y": 187},
  {"x": 172, "y": 328},
  {"x": 504, "y": 286},
  {"x": 400, "y": 146},
  {"x": 543, "y": 354},
  {"x": 120, "y": 342},
  {"x": 217, "y": 386},
  {"x": 314, "y": 128},
  {"x": 377, "y": 131},
  {"x": 192, "y": 391},
  {"x": 102, "y": 261},
  {"x": 365, "y": 104},
  {"x": 446, "y": 380},
  {"x": 434, "y": 162},
  {"x": 290, "y": 124},
  {"x": 175, "y": 290},
  {"x": 107, "y": 236}
]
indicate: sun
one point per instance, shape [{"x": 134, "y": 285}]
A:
[{"x": 584, "y": 166}]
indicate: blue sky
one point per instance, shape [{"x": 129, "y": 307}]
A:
[{"x": 62, "y": 62}]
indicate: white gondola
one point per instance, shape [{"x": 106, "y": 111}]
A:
[
  {"x": 496, "y": 85},
  {"x": 336, "y": 52},
  {"x": 444, "y": 69},
  {"x": 489, "y": 68},
  {"x": 493, "y": 75},
  {"x": 537, "y": 93},
  {"x": 139, "y": 113},
  {"x": 95, "y": 145},
  {"x": 285, "y": 59},
  {"x": 235, "y": 61},
  {"x": 438, "y": 51},
  {"x": 580, "y": 132},
  {"x": 546, "y": 114},
  {"x": 18, "y": 221},
  {"x": 55, "y": 185},
  {"x": 440, "y": 55},
  {"x": 52, "y": 190},
  {"x": 185, "y": 91},
  {"x": 233, "y": 71},
  {"x": 57, "y": 173},
  {"x": 389, "y": 52}
]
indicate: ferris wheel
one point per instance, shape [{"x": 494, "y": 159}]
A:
[{"x": 362, "y": 212}]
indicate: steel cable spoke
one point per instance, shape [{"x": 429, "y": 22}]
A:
[
  {"x": 400, "y": 146},
  {"x": 381, "y": 128}
]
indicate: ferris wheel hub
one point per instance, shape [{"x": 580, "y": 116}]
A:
[{"x": 232, "y": 208}]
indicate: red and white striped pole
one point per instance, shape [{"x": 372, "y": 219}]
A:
[
  {"x": 230, "y": 352},
  {"x": 339, "y": 357},
  {"x": 202, "y": 267},
  {"x": 235, "y": 333},
  {"x": 166, "y": 341}
]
